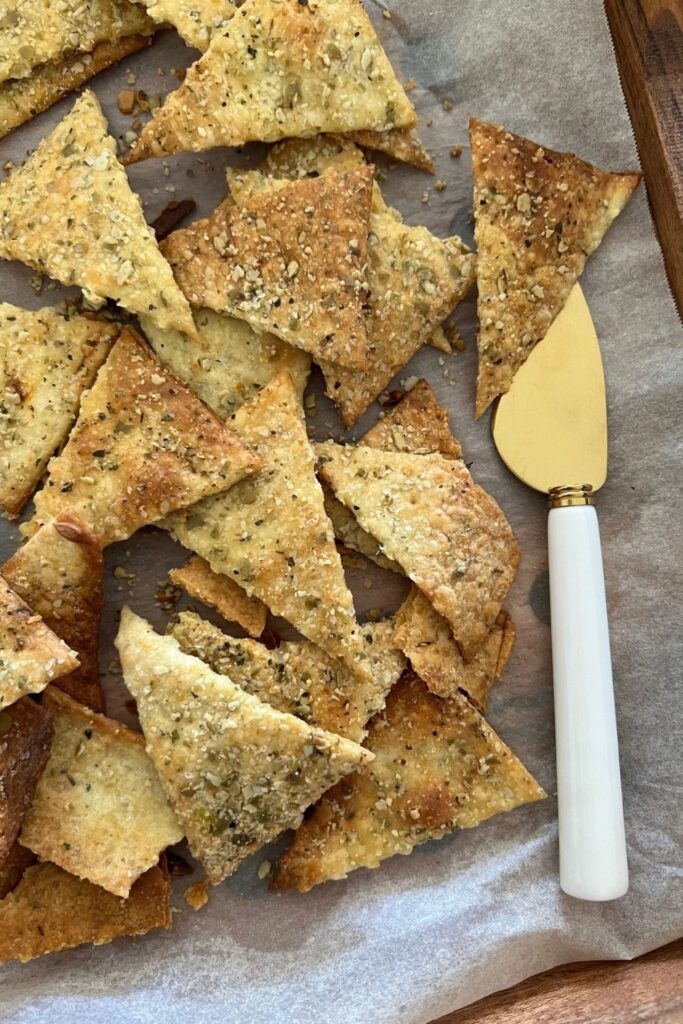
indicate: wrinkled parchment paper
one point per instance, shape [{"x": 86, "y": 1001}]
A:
[{"x": 482, "y": 909}]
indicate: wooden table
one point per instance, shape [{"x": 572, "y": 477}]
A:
[{"x": 646, "y": 990}]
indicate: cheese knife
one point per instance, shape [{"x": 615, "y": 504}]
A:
[{"x": 550, "y": 430}]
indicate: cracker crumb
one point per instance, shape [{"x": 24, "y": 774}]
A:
[
  {"x": 264, "y": 869},
  {"x": 447, "y": 104},
  {"x": 410, "y": 85},
  {"x": 126, "y": 101},
  {"x": 456, "y": 151},
  {"x": 439, "y": 185},
  {"x": 197, "y": 896}
]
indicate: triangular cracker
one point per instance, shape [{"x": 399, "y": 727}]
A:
[
  {"x": 457, "y": 774},
  {"x": 290, "y": 261},
  {"x": 50, "y": 910},
  {"x": 298, "y": 677},
  {"x": 279, "y": 70},
  {"x": 418, "y": 424},
  {"x": 271, "y": 535},
  {"x": 46, "y": 362},
  {"x": 426, "y": 639},
  {"x": 33, "y": 32},
  {"x": 25, "y": 735},
  {"x": 538, "y": 215},
  {"x": 22, "y": 99},
  {"x": 98, "y": 810},
  {"x": 221, "y": 593},
  {"x": 414, "y": 279},
  {"x": 58, "y": 572},
  {"x": 238, "y": 771},
  {"x": 398, "y": 143},
  {"x": 69, "y": 212},
  {"x": 450, "y": 537},
  {"x": 143, "y": 445},
  {"x": 196, "y": 20},
  {"x": 31, "y": 655},
  {"x": 230, "y": 362}
]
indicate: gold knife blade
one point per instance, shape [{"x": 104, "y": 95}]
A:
[{"x": 550, "y": 428}]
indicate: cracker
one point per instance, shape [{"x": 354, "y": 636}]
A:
[
  {"x": 58, "y": 572},
  {"x": 31, "y": 656},
  {"x": 458, "y": 773},
  {"x": 12, "y": 870},
  {"x": 51, "y": 910},
  {"x": 196, "y": 20},
  {"x": 99, "y": 810},
  {"x": 238, "y": 771},
  {"x": 290, "y": 261},
  {"x": 426, "y": 639},
  {"x": 398, "y": 143},
  {"x": 230, "y": 363},
  {"x": 418, "y": 424},
  {"x": 538, "y": 214},
  {"x": 438, "y": 340},
  {"x": 103, "y": 243},
  {"x": 427, "y": 513},
  {"x": 47, "y": 360},
  {"x": 143, "y": 445},
  {"x": 25, "y": 735},
  {"x": 22, "y": 99},
  {"x": 278, "y": 71},
  {"x": 221, "y": 593},
  {"x": 351, "y": 534},
  {"x": 33, "y": 32},
  {"x": 270, "y": 534},
  {"x": 299, "y": 677},
  {"x": 415, "y": 280}
]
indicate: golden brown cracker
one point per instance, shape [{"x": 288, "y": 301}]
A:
[
  {"x": 538, "y": 215},
  {"x": 427, "y": 640},
  {"x": 51, "y": 910},
  {"x": 143, "y": 445},
  {"x": 99, "y": 810},
  {"x": 31, "y": 655},
  {"x": 438, "y": 767},
  {"x": 270, "y": 534},
  {"x": 281, "y": 71},
  {"x": 450, "y": 537},
  {"x": 103, "y": 244},
  {"x": 237, "y": 771},
  {"x": 47, "y": 361},
  {"x": 290, "y": 261},
  {"x": 220, "y": 592}
]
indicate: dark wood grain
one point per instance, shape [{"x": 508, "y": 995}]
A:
[
  {"x": 648, "y": 42},
  {"x": 648, "y": 991}
]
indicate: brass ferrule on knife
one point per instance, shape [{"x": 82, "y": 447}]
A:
[{"x": 570, "y": 495}]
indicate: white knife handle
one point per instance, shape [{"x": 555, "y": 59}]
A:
[{"x": 593, "y": 863}]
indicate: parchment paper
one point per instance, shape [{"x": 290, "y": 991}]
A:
[{"x": 481, "y": 910}]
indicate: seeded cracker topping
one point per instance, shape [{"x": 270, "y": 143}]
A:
[
  {"x": 69, "y": 212},
  {"x": 291, "y": 261},
  {"x": 237, "y": 771},
  {"x": 289, "y": 69},
  {"x": 31, "y": 656},
  {"x": 143, "y": 445},
  {"x": 270, "y": 534},
  {"x": 299, "y": 677},
  {"x": 538, "y": 215},
  {"x": 438, "y": 766},
  {"x": 99, "y": 810},
  {"x": 46, "y": 362},
  {"x": 196, "y": 20}
]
